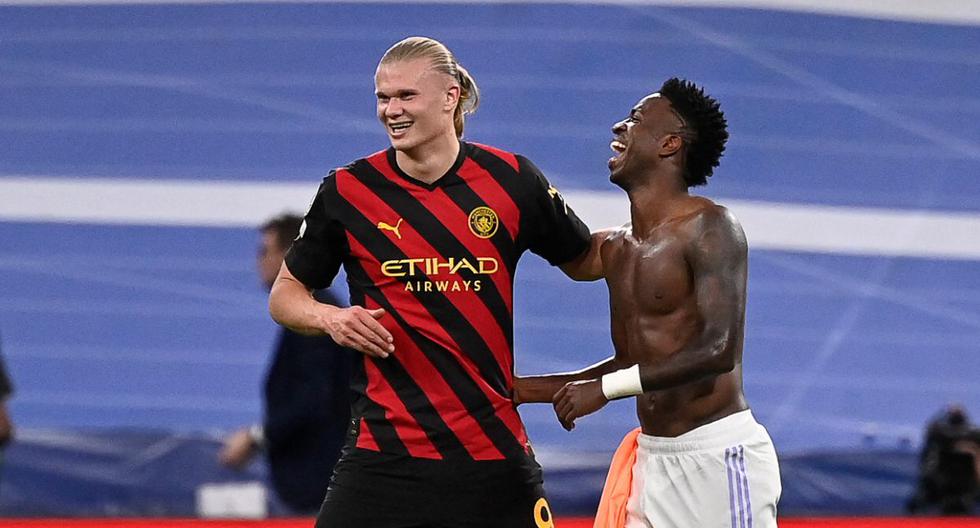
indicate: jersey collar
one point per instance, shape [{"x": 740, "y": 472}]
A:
[{"x": 448, "y": 178}]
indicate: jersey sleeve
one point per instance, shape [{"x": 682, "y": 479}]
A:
[
  {"x": 317, "y": 253},
  {"x": 553, "y": 230}
]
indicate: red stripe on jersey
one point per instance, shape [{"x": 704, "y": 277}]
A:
[
  {"x": 365, "y": 440},
  {"x": 443, "y": 398},
  {"x": 509, "y": 158},
  {"x": 490, "y": 191},
  {"x": 418, "y": 317},
  {"x": 407, "y": 429},
  {"x": 414, "y": 245},
  {"x": 457, "y": 221}
]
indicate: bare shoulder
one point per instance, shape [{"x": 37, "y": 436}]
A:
[
  {"x": 713, "y": 227},
  {"x": 612, "y": 241}
]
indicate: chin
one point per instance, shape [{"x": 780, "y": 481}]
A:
[
  {"x": 400, "y": 143},
  {"x": 616, "y": 176},
  {"x": 407, "y": 143}
]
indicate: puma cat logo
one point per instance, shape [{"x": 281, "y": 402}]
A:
[{"x": 388, "y": 227}]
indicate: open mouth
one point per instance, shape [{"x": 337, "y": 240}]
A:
[
  {"x": 397, "y": 128},
  {"x": 618, "y": 147}
]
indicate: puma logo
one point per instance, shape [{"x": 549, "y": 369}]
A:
[{"x": 388, "y": 227}]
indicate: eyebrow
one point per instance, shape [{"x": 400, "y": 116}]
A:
[{"x": 399, "y": 93}]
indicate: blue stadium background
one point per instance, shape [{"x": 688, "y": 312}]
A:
[{"x": 163, "y": 328}]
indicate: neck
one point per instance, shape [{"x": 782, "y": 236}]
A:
[
  {"x": 655, "y": 201},
  {"x": 431, "y": 160}
]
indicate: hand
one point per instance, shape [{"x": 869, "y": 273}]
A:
[
  {"x": 359, "y": 329},
  {"x": 238, "y": 451},
  {"x": 577, "y": 399}
]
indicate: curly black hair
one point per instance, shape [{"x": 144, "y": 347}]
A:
[{"x": 705, "y": 128}]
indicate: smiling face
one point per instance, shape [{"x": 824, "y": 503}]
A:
[
  {"x": 415, "y": 102},
  {"x": 643, "y": 139}
]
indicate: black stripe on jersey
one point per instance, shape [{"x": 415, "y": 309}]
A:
[
  {"x": 363, "y": 407},
  {"x": 512, "y": 183},
  {"x": 465, "y": 387},
  {"x": 443, "y": 241},
  {"x": 421, "y": 408},
  {"x": 381, "y": 429},
  {"x": 358, "y": 377}
]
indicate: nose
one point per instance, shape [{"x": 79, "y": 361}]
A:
[
  {"x": 619, "y": 127},
  {"x": 393, "y": 108}
]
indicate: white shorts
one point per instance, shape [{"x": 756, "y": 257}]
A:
[{"x": 720, "y": 475}]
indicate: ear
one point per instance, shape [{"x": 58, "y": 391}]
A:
[
  {"x": 670, "y": 145},
  {"x": 452, "y": 97}
]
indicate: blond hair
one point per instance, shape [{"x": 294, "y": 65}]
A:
[{"x": 443, "y": 61}]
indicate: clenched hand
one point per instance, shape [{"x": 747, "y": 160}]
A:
[{"x": 577, "y": 399}]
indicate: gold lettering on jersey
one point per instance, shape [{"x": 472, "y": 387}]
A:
[
  {"x": 444, "y": 286},
  {"x": 441, "y": 274},
  {"x": 553, "y": 191},
  {"x": 437, "y": 266},
  {"x": 483, "y": 222}
]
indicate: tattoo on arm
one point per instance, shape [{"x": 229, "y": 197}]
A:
[{"x": 717, "y": 256}]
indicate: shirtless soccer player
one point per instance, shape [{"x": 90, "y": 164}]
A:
[{"x": 676, "y": 277}]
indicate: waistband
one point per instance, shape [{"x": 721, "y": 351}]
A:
[{"x": 726, "y": 432}]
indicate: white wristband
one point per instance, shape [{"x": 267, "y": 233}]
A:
[{"x": 622, "y": 383}]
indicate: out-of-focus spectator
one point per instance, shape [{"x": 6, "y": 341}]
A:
[
  {"x": 306, "y": 398},
  {"x": 949, "y": 467},
  {"x": 6, "y": 390}
]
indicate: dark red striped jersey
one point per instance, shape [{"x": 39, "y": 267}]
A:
[{"x": 440, "y": 259}]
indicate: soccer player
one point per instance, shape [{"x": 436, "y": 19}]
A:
[
  {"x": 429, "y": 232},
  {"x": 676, "y": 276}
]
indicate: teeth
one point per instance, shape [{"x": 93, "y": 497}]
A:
[
  {"x": 617, "y": 146},
  {"x": 400, "y": 126}
]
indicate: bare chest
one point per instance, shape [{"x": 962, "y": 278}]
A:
[{"x": 649, "y": 277}]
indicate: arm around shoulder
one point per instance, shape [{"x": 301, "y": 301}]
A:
[{"x": 588, "y": 265}]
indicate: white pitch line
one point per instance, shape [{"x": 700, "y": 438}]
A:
[{"x": 778, "y": 226}]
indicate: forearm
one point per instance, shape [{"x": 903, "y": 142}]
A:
[
  {"x": 700, "y": 360},
  {"x": 292, "y": 305},
  {"x": 542, "y": 388}
]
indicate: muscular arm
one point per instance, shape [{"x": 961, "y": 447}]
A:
[
  {"x": 588, "y": 266},
  {"x": 717, "y": 256},
  {"x": 292, "y": 305}
]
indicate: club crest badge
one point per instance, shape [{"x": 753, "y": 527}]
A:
[{"x": 483, "y": 222}]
